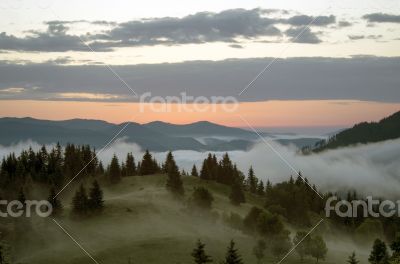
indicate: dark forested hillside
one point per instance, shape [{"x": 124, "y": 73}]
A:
[{"x": 387, "y": 128}]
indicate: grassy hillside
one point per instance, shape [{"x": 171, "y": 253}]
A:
[{"x": 142, "y": 223}]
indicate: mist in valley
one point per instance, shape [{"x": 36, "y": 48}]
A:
[{"x": 142, "y": 217}]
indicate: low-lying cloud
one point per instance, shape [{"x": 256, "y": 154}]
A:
[{"x": 372, "y": 169}]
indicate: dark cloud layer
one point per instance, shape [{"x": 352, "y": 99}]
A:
[
  {"x": 302, "y": 35},
  {"x": 359, "y": 78},
  {"x": 226, "y": 26},
  {"x": 382, "y": 18}
]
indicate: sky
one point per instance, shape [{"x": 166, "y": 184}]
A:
[{"x": 285, "y": 63}]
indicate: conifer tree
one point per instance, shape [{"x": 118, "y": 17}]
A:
[
  {"x": 199, "y": 255},
  {"x": 174, "y": 181},
  {"x": 130, "y": 165},
  {"x": 352, "y": 259},
  {"x": 237, "y": 196},
  {"x": 395, "y": 246},
  {"x": 379, "y": 254},
  {"x": 205, "y": 172},
  {"x": 147, "y": 164},
  {"x": 252, "y": 181},
  {"x": 4, "y": 254},
  {"x": 96, "y": 202},
  {"x": 268, "y": 187},
  {"x": 194, "y": 171},
  {"x": 260, "y": 188},
  {"x": 55, "y": 202},
  {"x": 100, "y": 169},
  {"x": 202, "y": 198},
  {"x": 21, "y": 196},
  {"x": 80, "y": 201},
  {"x": 114, "y": 170},
  {"x": 232, "y": 256}
]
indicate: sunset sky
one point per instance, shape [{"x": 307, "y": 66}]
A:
[{"x": 324, "y": 63}]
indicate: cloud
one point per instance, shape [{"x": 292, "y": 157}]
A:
[
  {"x": 358, "y": 37},
  {"x": 371, "y": 169},
  {"x": 236, "y": 46},
  {"x": 55, "y": 39},
  {"x": 358, "y": 78},
  {"x": 302, "y": 35},
  {"x": 201, "y": 27},
  {"x": 13, "y": 90},
  {"x": 303, "y": 20},
  {"x": 231, "y": 26},
  {"x": 344, "y": 24},
  {"x": 382, "y": 18},
  {"x": 90, "y": 96}
]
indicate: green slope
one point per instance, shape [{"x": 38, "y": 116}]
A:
[{"x": 144, "y": 224}]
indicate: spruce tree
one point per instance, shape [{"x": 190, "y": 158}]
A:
[
  {"x": 379, "y": 254},
  {"x": 174, "y": 181},
  {"x": 147, "y": 164},
  {"x": 202, "y": 198},
  {"x": 55, "y": 202},
  {"x": 205, "y": 173},
  {"x": 260, "y": 188},
  {"x": 80, "y": 201},
  {"x": 252, "y": 181},
  {"x": 194, "y": 171},
  {"x": 237, "y": 196},
  {"x": 268, "y": 187},
  {"x": 21, "y": 196},
  {"x": 130, "y": 165},
  {"x": 395, "y": 246},
  {"x": 199, "y": 255},
  {"x": 114, "y": 170},
  {"x": 352, "y": 259},
  {"x": 232, "y": 256},
  {"x": 96, "y": 202},
  {"x": 4, "y": 254}
]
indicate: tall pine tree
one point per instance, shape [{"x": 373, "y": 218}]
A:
[
  {"x": 80, "y": 202},
  {"x": 237, "y": 196},
  {"x": 130, "y": 165},
  {"x": 114, "y": 170},
  {"x": 252, "y": 181},
  {"x": 96, "y": 202},
  {"x": 194, "y": 171},
  {"x": 55, "y": 202},
  {"x": 232, "y": 256},
  {"x": 174, "y": 181},
  {"x": 352, "y": 259},
  {"x": 199, "y": 255}
]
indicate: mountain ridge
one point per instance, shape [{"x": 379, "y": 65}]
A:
[{"x": 155, "y": 136}]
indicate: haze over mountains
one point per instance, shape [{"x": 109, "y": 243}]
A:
[{"x": 155, "y": 136}]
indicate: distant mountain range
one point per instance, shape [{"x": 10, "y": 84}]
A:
[
  {"x": 155, "y": 136},
  {"x": 385, "y": 129}
]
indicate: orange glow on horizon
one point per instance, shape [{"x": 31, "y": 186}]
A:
[{"x": 307, "y": 113}]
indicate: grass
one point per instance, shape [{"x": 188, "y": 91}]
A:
[{"x": 142, "y": 223}]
